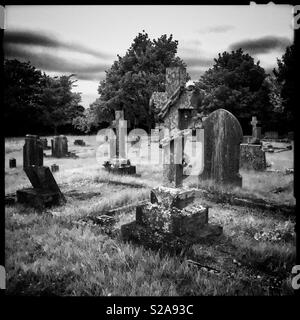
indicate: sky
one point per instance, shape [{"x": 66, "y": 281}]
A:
[{"x": 85, "y": 40}]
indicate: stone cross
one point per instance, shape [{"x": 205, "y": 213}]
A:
[
  {"x": 121, "y": 131},
  {"x": 172, "y": 162},
  {"x": 256, "y": 131},
  {"x": 254, "y": 122}
]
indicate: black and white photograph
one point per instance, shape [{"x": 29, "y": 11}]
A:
[{"x": 149, "y": 151}]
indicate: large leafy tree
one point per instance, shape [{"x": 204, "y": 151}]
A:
[
  {"x": 58, "y": 105},
  {"x": 236, "y": 83},
  {"x": 22, "y": 86},
  {"x": 286, "y": 75},
  {"x": 132, "y": 78}
]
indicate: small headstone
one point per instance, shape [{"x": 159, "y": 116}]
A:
[
  {"x": 59, "y": 145},
  {"x": 222, "y": 137},
  {"x": 44, "y": 143},
  {"x": 32, "y": 151},
  {"x": 78, "y": 142},
  {"x": 12, "y": 163},
  {"x": 272, "y": 135},
  {"x": 252, "y": 157},
  {"x": 54, "y": 168}
]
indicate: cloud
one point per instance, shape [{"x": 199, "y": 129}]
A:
[
  {"x": 261, "y": 45},
  {"x": 33, "y": 38},
  {"x": 217, "y": 29},
  {"x": 51, "y": 62}
]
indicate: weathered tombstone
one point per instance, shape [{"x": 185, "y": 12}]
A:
[
  {"x": 79, "y": 142},
  {"x": 172, "y": 166},
  {"x": 119, "y": 162},
  {"x": 54, "y": 168},
  {"x": 12, "y": 163},
  {"x": 171, "y": 218},
  {"x": 256, "y": 131},
  {"x": 44, "y": 143},
  {"x": 222, "y": 138},
  {"x": 252, "y": 157},
  {"x": 271, "y": 135},
  {"x": 32, "y": 151},
  {"x": 45, "y": 191},
  {"x": 59, "y": 145}
]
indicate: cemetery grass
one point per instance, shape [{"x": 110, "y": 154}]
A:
[{"x": 61, "y": 251}]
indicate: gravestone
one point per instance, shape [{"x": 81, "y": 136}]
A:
[
  {"x": 119, "y": 162},
  {"x": 44, "y": 143},
  {"x": 59, "y": 146},
  {"x": 171, "y": 218},
  {"x": 54, "y": 168},
  {"x": 256, "y": 132},
  {"x": 45, "y": 191},
  {"x": 252, "y": 157},
  {"x": 78, "y": 142},
  {"x": 271, "y": 135},
  {"x": 222, "y": 137},
  {"x": 12, "y": 163},
  {"x": 32, "y": 151}
]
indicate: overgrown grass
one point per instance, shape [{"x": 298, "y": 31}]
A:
[{"x": 50, "y": 253}]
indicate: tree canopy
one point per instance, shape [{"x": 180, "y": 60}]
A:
[
  {"x": 35, "y": 102},
  {"x": 236, "y": 83},
  {"x": 286, "y": 75}
]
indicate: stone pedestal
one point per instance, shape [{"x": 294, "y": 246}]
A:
[
  {"x": 38, "y": 198},
  {"x": 170, "y": 220},
  {"x": 32, "y": 151},
  {"x": 59, "y": 146},
  {"x": 252, "y": 157}
]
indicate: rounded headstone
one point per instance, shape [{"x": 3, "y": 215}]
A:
[{"x": 222, "y": 138}]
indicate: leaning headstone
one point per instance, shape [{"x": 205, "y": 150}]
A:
[
  {"x": 12, "y": 163},
  {"x": 45, "y": 191},
  {"x": 32, "y": 151},
  {"x": 222, "y": 138},
  {"x": 59, "y": 145}
]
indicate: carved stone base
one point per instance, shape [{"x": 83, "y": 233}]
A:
[
  {"x": 39, "y": 198},
  {"x": 170, "y": 220}
]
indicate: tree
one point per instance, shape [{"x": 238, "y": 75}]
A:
[
  {"x": 58, "y": 105},
  {"x": 286, "y": 75},
  {"x": 237, "y": 84},
  {"x": 22, "y": 86},
  {"x": 132, "y": 78}
]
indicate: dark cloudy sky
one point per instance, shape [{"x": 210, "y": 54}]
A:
[{"x": 85, "y": 40}]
